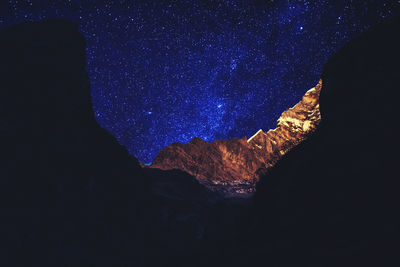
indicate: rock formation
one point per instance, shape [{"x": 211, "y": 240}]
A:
[{"x": 234, "y": 166}]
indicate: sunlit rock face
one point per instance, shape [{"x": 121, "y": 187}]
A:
[
  {"x": 294, "y": 125},
  {"x": 232, "y": 167}
]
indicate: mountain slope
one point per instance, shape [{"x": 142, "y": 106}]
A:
[{"x": 234, "y": 166}]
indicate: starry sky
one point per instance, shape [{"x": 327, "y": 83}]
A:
[{"x": 168, "y": 71}]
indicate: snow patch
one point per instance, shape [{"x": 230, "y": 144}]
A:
[
  {"x": 306, "y": 126},
  {"x": 254, "y": 135}
]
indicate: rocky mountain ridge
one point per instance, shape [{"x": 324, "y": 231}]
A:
[{"x": 234, "y": 166}]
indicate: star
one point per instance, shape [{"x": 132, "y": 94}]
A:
[{"x": 164, "y": 72}]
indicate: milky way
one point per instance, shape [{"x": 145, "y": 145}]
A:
[{"x": 167, "y": 71}]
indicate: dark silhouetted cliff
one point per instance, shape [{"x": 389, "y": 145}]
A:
[
  {"x": 70, "y": 193},
  {"x": 335, "y": 197}
]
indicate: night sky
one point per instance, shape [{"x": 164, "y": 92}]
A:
[{"x": 167, "y": 71}]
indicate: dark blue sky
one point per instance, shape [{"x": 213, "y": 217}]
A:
[{"x": 167, "y": 71}]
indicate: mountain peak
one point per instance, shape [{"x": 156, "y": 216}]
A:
[
  {"x": 232, "y": 167},
  {"x": 196, "y": 140}
]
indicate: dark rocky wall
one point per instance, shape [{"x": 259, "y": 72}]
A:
[
  {"x": 335, "y": 196},
  {"x": 70, "y": 193}
]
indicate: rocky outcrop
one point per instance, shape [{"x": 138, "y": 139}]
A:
[
  {"x": 294, "y": 125},
  {"x": 234, "y": 166}
]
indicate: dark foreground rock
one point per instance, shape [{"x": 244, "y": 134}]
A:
[
  {"x": 335, "y": 197},
  {"x": 70, "y": 193}
]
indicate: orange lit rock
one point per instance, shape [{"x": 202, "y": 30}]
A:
[{"x": 234, "y": 166}]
